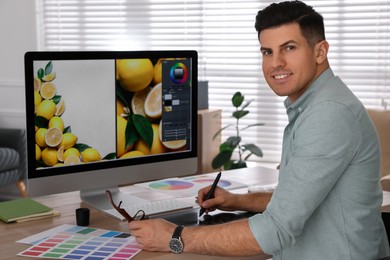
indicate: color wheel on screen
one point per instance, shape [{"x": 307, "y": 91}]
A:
[{"x": 171, "y": 185}]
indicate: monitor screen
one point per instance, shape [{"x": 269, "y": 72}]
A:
[{"x": 102, "y": 119}]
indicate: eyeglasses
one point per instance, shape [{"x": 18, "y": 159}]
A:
[{"x": 140, "y": 215}]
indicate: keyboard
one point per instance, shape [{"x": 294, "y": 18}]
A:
[{"x": 153, "y": 207}]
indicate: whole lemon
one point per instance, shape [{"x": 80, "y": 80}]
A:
[
  {"x": 40, "y": 137},
  {"x": 134, "y": 74},
  {"x": 57, "y": 121},
  {"x": 46, "y": 109},
  {"x": 49, "y": 156},
  {"x": 68, "y": 140},
  {"x": 90, "y": 155},
  {"x": 121, "y": 136},
  {"x": 157, "y": 146},
  {"x": 37, "y": 152},
  {"x": 132, "y": 154}
]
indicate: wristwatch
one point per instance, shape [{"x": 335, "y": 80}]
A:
[{"x": 176, "y": 244}]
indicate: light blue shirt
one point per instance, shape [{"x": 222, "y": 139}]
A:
[{"x": 328, "y": 200}]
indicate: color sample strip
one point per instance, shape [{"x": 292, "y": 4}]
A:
[{"x": 74, "y": 246}]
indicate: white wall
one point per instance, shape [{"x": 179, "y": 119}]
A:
[{"x": 18, "y": 35}]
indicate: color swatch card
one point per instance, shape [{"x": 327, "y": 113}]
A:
[{"x": 77, "y": 246}]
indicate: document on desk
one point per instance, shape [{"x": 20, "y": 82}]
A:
[
  {"x": 76, "y": 242},
  {"x": 188, "y": 186}
]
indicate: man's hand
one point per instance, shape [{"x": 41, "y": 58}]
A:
[
  {"x": 152, "y": 234},
  {"x": 223, "y": 200}
]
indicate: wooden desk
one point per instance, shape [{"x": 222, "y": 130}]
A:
[{"x": 66, "y": 203}]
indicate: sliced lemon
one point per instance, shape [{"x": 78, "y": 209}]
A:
[
  {"x": 175, "y": 144},
  {"x": 48, "y": 90},
  {"x": 37, "y": 84},
  {"x": 60, "y": 154},
  {"x": 49, "y": 156},
  {"x": 60, "y": 108},
  {"x": 71, "y": 151},
  {"x": 53, "y": 137},
  {"x": 153, "y": 102},
  {"x": 72, "y": 160},
  {"x": 49, "y": 77},
  {"x": 138, "y": 101}
]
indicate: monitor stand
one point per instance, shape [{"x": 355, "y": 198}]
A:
[{"x": 99, "y": 200}]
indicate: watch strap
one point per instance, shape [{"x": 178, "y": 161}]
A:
[{"x": 177, "y": 232}]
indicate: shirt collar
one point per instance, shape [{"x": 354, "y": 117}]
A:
[{"x": 294, "y": 109}]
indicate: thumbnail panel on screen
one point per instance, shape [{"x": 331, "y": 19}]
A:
[{"x": 88, "y": 111}]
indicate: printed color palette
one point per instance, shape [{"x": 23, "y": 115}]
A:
[
  {"x": 171, "y": 185},
  {"x": 71, "y": 246}
]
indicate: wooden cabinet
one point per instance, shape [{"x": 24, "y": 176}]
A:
[{"x": 209, "y": 122}]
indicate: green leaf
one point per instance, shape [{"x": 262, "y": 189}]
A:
[
  {"x": 221, "y": 158},
  {"x": 41, "y": 122},
  {"x": 240, "y": 113},
  {"x": 131, "y": 135},
  {"x": 237, "y": 99},
  {"x": 238, "y": 165},
  {"x": 110, "y": 156},
  {"x": 48, "y": 68},
  {"x": 40, "y": 73},
  {"x": 226, "y": 146},
  {"x": 253, "y": 149},
  {"x": 257, "y": 124},
  {"x": 144, "y": 128},
  {"x": 220, "y": 130},
  {"x": 57, "y": 99},
  {"x": 81, "y": 147},
  {"x": 68, "y": 129},
  {"x": 233, "y": 141},
  {"x": 122, "y": 94}
]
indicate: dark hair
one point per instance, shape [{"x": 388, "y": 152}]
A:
[{"x": 310, "y": 22}]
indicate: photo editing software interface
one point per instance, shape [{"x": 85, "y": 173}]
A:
[{"x": 97, "y": 111}]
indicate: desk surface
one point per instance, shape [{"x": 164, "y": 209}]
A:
[{"x": 66, "y": 203}]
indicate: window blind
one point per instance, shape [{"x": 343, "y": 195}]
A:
[{"x": 222, "y": 31}]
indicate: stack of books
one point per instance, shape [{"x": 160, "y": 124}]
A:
[{"x": 24, "y": 209}]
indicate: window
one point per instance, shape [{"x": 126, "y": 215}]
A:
[{"x": 223, "y": 34}]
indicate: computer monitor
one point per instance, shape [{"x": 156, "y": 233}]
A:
[{"x": 98, "y": 120}]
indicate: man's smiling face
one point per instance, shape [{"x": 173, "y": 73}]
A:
[{"x": 290, "y": 65}]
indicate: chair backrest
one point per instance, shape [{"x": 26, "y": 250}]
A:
[{"x": 381, "y": 120}]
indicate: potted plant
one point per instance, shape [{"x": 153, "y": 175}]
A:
[{"x": 227, "y": 148}]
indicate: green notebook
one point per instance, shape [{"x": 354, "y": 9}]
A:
[{"x": 17, "y": 209}]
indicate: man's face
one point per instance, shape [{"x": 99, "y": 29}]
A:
[{"x": 289, "y": 64}]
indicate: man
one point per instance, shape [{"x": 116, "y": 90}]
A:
[{"x": 328, "y": 199}]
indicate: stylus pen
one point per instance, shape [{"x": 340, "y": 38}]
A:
[{"x": 211, "y": 192}]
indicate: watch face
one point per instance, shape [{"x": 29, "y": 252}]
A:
[{"x": 176, "y": 245}]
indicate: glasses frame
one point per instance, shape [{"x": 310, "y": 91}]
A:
[{"x": 140, "y": 215}]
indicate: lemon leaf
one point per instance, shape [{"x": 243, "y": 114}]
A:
[
  {"x": 67, "y": 129},
  {"x": 48, "y": 68},
  {"x": 131, "y": 134},
  {"x": 41, "y": 122},
  {"x": 81, "y": 147},
  {"x": 40, "y": 73},
  {"x": 144, "y": 128},
  {"x": 57, "y": 99},
  {"x": 109, "y": 156},
  {"x": 122, "y": 94}
]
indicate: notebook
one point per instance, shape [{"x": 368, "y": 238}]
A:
[{"x": 22, "y": 209}]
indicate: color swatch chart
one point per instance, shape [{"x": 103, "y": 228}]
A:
[
  {"x": 69, "y": 246},
  {"x": 76, "y": 242}
]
